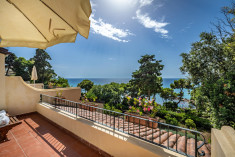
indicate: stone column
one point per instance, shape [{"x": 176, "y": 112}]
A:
[{"x": 2, "y": 82}]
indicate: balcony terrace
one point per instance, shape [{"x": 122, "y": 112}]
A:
[
  {"x": 68, "y": 128},
  {"x": 37, "y": 136},
  {"x": 181, "y": 140}
]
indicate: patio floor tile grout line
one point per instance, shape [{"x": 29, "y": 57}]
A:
[{"x": 18, "y": 144}]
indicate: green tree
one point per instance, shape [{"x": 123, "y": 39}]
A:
[
  {"x": 23, "y": 68},
  {"x": 167, "y": 94},
  {"x": 147, "y": 79},
  {"x": 9, "y": 61},
  {"x": 59, "y": 82},
  {"x": 109, "y": 93},
  {"x": 131, "y": 89},
  {"x": 207, "y": 59},
  {"x": 211, "y": 67},
  {"x": 44, "y": 68},
  {"x": 86, "y": 84},
  {"x": 181, "y": 84}
]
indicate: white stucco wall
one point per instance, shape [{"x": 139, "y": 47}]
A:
[
  {"x": 22, "y": 98},
  {"x": 223, "y": 142},
  {"x": 37, "y": 85},
  {"x": 2, "y": 82}
]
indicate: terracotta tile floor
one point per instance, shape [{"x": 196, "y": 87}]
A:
[{"x": 36, "y": 137}]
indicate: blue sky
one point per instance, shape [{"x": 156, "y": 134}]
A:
[{"x": 124, "y": 30}]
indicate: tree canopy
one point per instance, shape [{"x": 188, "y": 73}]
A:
[
  {"x": 86, "y": 84},
  {"x": 181, "y": 84},
  {"x": 59, "y": 82},
  {"x": 147, "y": 79},
  {"x": 23, "y": 67},
  {"x": 43, "y": 66},
  {"x": 9, "y": 61},
  {"x": 210, "y": 65},
  {"x": 109, "y": 93}
]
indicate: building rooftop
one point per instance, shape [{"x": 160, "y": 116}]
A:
[
  {"x": 4, "y": 51},
  {"x": 36, "y": 136}
]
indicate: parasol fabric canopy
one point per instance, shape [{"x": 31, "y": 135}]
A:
[
  {"x": 34, "y": 75},
  {"x": 42, "y": 23}
]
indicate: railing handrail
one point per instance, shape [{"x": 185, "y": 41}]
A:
[{"x": 140, "y": 118}]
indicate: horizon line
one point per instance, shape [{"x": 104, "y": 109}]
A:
[{"x": 114, "y": 77}]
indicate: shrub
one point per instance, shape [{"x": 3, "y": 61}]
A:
[
  {"x": 171, "y": 120},
  {"x": 59, "y": 82},
  {"x": 190, "y": 123},
  {"x": 125, "y": 102},
  {"x": 112, "y": 108},
  {"x": 91, "y": 96},
  {"x": 181, "y": 117},
  {"x": 162, "y": 113},
  {"x": 170, "y": 105},
  {"x": 122, "y": 107},
  {"x": 141, "y": 105},
  {"x": 109, "y": 93},
  {"x": 200, "y": 122}
]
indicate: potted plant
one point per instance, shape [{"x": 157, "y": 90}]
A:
[
  {"x": 143, "y": 108},
  {"x": 60, "y": 97}
]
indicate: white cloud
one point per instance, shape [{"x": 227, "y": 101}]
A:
[
  {"x": 145, "y": 2},
  {"x": 92, "y": 4},
  {"x": 147, "y": 22},
  {"x": 108, "y": 30}
]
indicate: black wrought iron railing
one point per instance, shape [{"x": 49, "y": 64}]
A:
[{"x": 181, "y": 140}]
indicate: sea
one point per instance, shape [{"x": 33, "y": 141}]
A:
[{"x": 101, "y": 81}]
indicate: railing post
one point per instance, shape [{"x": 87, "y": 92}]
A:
[
  {"x": 86, "y": 111},
  {"x": 128, "y": 124},
  {"x": 118, "y": 122},
  {"x": 106, "y": 112},
  {"x": 89, "y": 111},
  {"x": 160, "y": 132},
  {"x": 186, "y": 141},
  {"x": 146, "y": 125},
  {"x": 40, "y": 98},
  {"x": 81, "y": 110},
  {"x": 195, "y": 144},
  {"x": 114, "y": 121},
  {"x": 55, "y": 102},
  {"x": 95, "y": 115},
  {"x": 110, "y": 119},
  {"x": 168, "y": 137},
  {"x": 102, "y": 117},
  {"x": 76, "y": 110},
  {"x": 152, "y": 131},
  {"x": 123, "y": 121},
  {"x": 176, "y": 139}
]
